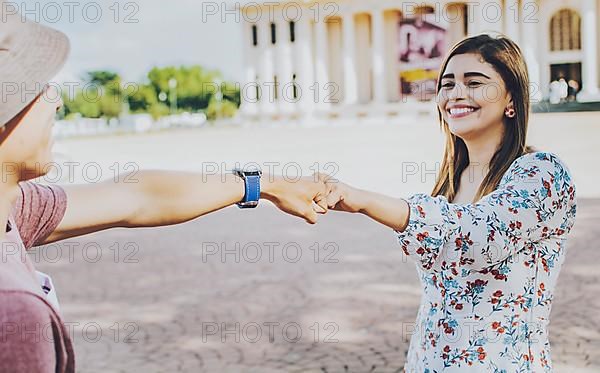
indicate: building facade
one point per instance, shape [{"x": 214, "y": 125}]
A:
[{"x": 336, "y": 58}]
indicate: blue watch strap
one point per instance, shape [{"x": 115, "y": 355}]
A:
[{"x": 252, "y": 188}]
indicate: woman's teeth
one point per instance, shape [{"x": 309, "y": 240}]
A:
[{"x": 461, "y": 111}]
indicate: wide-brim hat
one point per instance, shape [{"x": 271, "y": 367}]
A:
[{"x": 30, "y": 55}]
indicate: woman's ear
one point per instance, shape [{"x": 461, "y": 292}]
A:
[
  {"x": 509, "y": 100},
  {"x": 509, "y": 109}
]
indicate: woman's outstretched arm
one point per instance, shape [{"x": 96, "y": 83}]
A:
[
  {"x": 389, "y": 211},
  {"x": 535, "y": 200}
]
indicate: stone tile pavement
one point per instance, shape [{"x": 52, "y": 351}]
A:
[
  {"x": 335, "y": 297},
  {"x": 258, "y": 291}
]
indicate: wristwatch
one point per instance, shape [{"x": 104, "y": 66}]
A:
[{"x": 252, "y": 182}]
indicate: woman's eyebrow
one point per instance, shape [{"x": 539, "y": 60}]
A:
[
  {"x": 475, "y": 73},
  {"x": 466, "y": 75}
]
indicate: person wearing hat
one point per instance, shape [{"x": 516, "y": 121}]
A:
[{"x": 34, "y": 337}]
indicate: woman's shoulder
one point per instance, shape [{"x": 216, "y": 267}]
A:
[
  {"x": 543, "y": 166},
  {"x": 540, "y": 159}
]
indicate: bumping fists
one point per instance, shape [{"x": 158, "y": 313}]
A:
[{"x": 309, "y": 196}]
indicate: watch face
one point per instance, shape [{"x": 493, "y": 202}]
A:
[
  {"x": 248, "y": 205},
  {"x": 250, "y": 171}
]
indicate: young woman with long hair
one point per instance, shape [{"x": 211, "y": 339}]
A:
[{"x": 490, "y": 238}]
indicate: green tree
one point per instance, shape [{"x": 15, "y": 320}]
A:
[
  {"x": 86, "y": 103},
  {"x": 231, "y": 93},
  {"x": 142, "y": 99},
  {"x": 195, "y": 85},
  {"x": 101, "y": 96},
  {"x": 220, "y": 110},
  {"x": 102, "y": 78},
  {"x": 104, "y": 95}
]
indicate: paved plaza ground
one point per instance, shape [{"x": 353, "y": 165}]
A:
[{"x": 259, "y": 291}]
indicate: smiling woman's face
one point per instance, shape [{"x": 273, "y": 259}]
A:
[{"x": 473, "y": 97}]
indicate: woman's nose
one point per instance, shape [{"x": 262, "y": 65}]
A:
[{"x": 457, "y": 92}]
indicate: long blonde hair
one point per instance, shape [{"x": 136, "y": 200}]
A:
[{"x": 506, "y": 58}]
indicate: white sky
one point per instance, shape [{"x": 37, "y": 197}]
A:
[{"x": 167, "y": 32}]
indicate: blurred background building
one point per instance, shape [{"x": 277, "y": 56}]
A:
[{"x": 381, "y": 57}]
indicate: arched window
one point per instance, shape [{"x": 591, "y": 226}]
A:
[{"x": 565, "y": 30}]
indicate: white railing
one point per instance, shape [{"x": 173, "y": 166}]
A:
[{"x": 135, "y": 123}]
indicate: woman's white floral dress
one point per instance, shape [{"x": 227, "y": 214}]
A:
[{"x": 489, "y": 269}]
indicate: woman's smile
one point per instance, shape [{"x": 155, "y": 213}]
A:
[{"x": 460, "y": 111}]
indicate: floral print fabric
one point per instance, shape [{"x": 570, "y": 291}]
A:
[{"x": 488, "y": 271}]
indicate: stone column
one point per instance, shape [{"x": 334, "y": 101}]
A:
[
  {"x": 249, "y": 103},
  {"x": 492, "y": 14},
  {"x": 473, "y": 18},
  {"x": 529, "y": 46},
  {"x": 321, "y": 64},
  {"x": 267, "y": 98},
  {"x": 378, "y": 47},
  {"x": 283, "y": 46},
  {"x": 512, "y": 19},
  {"x": 589, "y": 35},
  {"x": 304, "y": 58},
  {"x": 350, "y": 77}
]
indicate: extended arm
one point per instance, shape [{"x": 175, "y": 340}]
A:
[
  {"x": 156, "y": 198},
  {"x": 535, "y": 200},
  {"x": 389, "y": 211}
]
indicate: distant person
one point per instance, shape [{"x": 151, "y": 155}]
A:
[
  {"x": 34, "y": 337},
  {"x": 563, "y": 89},
  {"x": 490, "y": 238},
  {"x": 555, "y": 92},
  {"x": 573, "y": 90}
]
